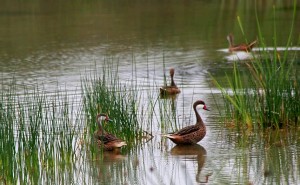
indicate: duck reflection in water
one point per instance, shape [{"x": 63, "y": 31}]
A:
[
  {"x": 107, "y": 164},
  {"x": 196, "y": 153}
]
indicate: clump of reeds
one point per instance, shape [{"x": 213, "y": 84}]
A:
[
  {"x": 267, "y": 94},
  {"x": 107, "y": 94},
  {"x": 36, "y": 135}
]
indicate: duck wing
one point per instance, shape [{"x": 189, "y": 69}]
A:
[
  {"x": 107, "y": 138},
  {"x": 186, "y": 130}
]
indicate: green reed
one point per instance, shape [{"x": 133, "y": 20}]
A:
[
  {"x": 238, "y": 100},
  {"x": 107, "y": 94},
  {"x": 36, "y": 134},
  {"x": 267, "y": 95}
]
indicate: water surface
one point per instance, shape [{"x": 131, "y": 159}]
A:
[{"x": 55, "y": 43}]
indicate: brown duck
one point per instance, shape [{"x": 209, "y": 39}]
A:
[
  {"x": 191, "y": 134},
  {"x": 240, "y": 47},
  {"x": 106, "y": 140},
  {"x": 172, "y": 88}
]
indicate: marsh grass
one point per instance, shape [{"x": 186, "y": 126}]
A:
[
  {"x": 107, "y": 94},
  {"x": 268, "y": 96},
  {"x": 133, "y": 106},
  {"x": 36, "y": 135}
]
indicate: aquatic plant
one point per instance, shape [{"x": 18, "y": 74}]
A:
[
  {"x": 267, "y": 95},
  {"x": 107, "y": 94},
  {"x": 37, "y": 135}
]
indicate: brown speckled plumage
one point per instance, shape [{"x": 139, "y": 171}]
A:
[
  {"x": 172, "y": 88},
  {"x": 191, "y": 134},
  {"x": 106, "y": 140},
  {"x": 240, "y": 47}
]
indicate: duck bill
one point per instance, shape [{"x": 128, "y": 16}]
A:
[{"x": 205, "y": 108}]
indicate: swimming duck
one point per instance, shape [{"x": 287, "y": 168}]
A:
[
  {"x": 172, "y": 88},
  {"x": 191, "y": 134},
  {"x": 106, "y": 140},
  {"x": 240, "y": 47}
]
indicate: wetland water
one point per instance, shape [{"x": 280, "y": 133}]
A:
[{"x": 55, "y": 43}]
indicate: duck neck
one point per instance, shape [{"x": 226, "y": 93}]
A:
[
  {"x": 198, "y": 117},
  {"x": 100, "y": 128},
  {"x": 172, "y": 81}
]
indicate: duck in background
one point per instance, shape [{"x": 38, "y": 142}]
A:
[
  {"x": 239, "y": 47},
  {"x": 171, "y": 89}
]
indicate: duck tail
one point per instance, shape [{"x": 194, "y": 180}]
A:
[{"x": 251, "y": 45}]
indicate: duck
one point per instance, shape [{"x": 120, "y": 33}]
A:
[
  {"x": 191, "y": 134},
  {"x": 240, "y": 47},
  {"x": 172, "y": 89},
  {"x": 106, "y": 140}
]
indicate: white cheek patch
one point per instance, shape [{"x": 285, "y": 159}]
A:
[
  {"x": 102, "y": 118},
  {"x": 200, "y": 106}
]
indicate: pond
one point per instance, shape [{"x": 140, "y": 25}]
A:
[{"x": 54, "y": 44}]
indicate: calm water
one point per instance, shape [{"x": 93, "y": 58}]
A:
[{"x": 55, "y": 43}]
